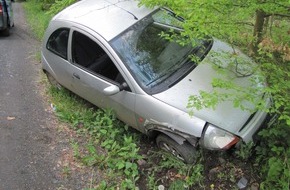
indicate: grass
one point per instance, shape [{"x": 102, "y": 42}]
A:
[
  {"x": 113, "y": 146},
  {"x": 36, "y": 18}
]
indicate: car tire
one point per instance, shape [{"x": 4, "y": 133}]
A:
[
  {"x": 184, "y": 152},
  {"x": 6, "y": 32},
  {"x": 52, "y": 81}
]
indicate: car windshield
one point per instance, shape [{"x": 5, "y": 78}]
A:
[{"x": 151, "y": 58}]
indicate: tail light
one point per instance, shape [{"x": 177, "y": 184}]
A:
[{"x": 1, "y": 10}]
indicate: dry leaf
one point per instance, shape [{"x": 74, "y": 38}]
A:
[{"x": 9, "y": 118}]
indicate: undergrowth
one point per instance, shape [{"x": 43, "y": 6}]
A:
[
  {"x": 273, "y": 157},
  {"x": 114, "y": 147},
  {"x": 37, "y": 18},
  {"x": 117, "y": 151}
]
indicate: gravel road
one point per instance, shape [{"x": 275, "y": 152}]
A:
[{"x": 26, "y": 161}]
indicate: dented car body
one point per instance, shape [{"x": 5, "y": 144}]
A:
[{"x": 111, "y": 53}]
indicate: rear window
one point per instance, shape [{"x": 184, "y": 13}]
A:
[{"x": 58, "y": 41}]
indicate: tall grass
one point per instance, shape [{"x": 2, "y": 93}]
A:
[{"x": 36, "y": 17}]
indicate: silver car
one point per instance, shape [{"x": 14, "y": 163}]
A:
[
  {"x": 110, "y": 52},
  {"x": 6, "y": 16}
]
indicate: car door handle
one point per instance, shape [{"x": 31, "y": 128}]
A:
[{"x": 76, "y": 76}]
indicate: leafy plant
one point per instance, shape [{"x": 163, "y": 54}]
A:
[
  {"x": 186, "y": 176},
  {"x": 59, "y": 5},
  {"x": 273, "y": 157},
  {"x": 245, "y": 151},
  {"x": 76, "y": 151},
  {"x": 37, "y": 18},
  {"x": 118, "y": 151}
]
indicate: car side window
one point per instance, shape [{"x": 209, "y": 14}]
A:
[
  {"x": 58, "y": 42},
  {"x": 87, "y": 53}
]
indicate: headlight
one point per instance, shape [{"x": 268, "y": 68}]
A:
[{"x": 215, "y": 138}]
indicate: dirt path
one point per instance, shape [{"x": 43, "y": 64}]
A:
[{"x": 25, "y": 140}]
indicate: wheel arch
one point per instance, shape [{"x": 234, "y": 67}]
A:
[{"x": 179, "y": 137}]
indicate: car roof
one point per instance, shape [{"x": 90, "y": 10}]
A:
[{"x": 106, "y": 17}]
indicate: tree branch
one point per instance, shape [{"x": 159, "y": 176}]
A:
[{"x": 278, "y": 14}]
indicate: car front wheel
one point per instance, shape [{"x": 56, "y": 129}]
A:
[{"x": 185, "y": 152}]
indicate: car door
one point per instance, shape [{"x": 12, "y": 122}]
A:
[{"x": 93, "y": 70}]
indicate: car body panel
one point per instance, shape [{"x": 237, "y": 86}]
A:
[
  {"x": 112, "y": 12},
  {"x": 225, "y": 114},
  {"x": 167, "y": 117}
]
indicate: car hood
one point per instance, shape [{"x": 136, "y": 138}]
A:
[{"x": 225, "y": 115}]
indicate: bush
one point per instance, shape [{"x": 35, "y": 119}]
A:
[{"x": 273, "y": 154}]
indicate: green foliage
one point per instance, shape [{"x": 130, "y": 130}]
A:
[
  {"x": 113, "y": 148},
  {"x": 273, "y": 157},
  {"x": 189, "y": 176},
  {"x": 245, "y": 151},
  {"x": 222, "y": 19},
  {"x": 46, "y": 4},
  {"x": 59, "y": 5},
  {"x": 118, "y": 151},
  {"x": 279, "y": 84},
  {"x": 52, "y": 7},
  {"x": 234, "y": 22},
  {"x": 36, "y": 18}
]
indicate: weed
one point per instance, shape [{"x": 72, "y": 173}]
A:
[
  {"x": 182, "y": 176},
  {"x": 66, "y": 171},
  {"x": 118, "y": 150},
  {"x": 245, "y": 151},
  {"x": 76, "y": 151},
  {"x": 37, "y": 18},
  {"x": 152, "y": 183},
  {"x": 273, "y": 155}
]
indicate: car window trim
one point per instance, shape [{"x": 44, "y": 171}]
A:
[{"x": 55, "y": 52}]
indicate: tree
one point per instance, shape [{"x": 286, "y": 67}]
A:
[{"x": 259, "y": 26}]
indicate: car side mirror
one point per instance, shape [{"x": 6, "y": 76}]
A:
[{"x": 111, "y": 90}]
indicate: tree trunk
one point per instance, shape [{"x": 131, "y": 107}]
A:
[{"x": 258, "y": 30}]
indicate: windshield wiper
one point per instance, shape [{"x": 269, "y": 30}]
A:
[
  {"x": 175, "y": 67},
  {"x": 163, "y": 76}
]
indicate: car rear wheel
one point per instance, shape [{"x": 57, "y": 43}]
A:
[
  {"x": 6, "y": 32},
  {"x": 53, "y": 82},
  {"x": 184, "y": 152}
]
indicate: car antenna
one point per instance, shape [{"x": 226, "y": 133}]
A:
[
  {"x": 124, "y": 10},
  {"x": 130, "y": 13}
]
